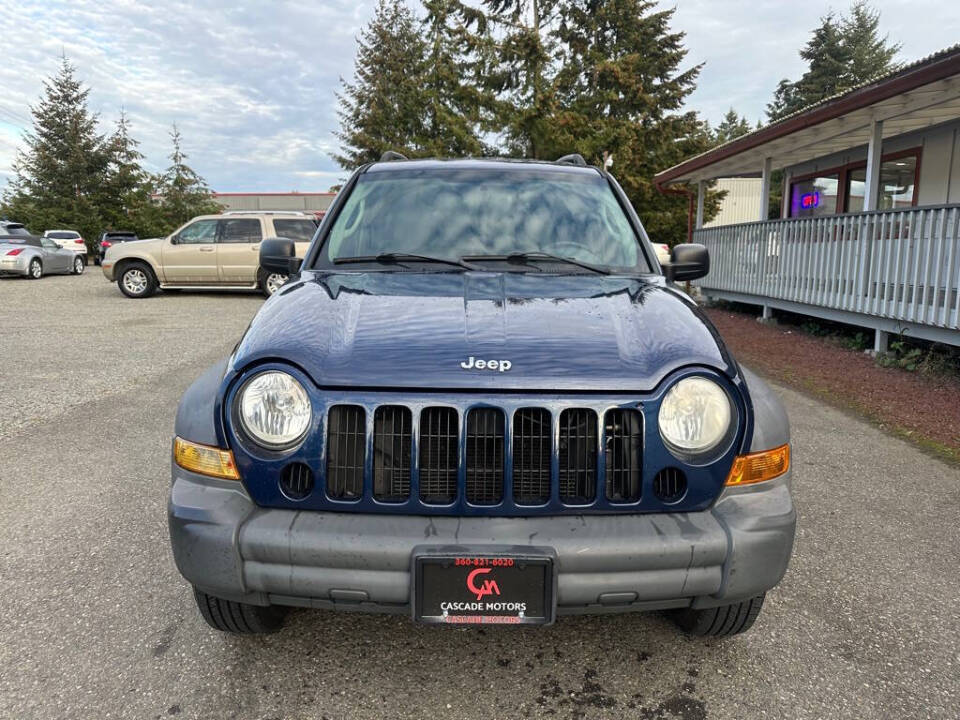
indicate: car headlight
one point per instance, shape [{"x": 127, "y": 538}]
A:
[
  {"x": 695, "y": 416},
  {"x": 274, "y": 409}
]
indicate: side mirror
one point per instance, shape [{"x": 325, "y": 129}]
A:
[
  {"x": 279, "y": 255},
  {"x": 174, "y": 239},
  {"x": 688, "y": 261}
]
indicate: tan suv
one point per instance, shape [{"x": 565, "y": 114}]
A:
[{"x": 209, "y": 252}]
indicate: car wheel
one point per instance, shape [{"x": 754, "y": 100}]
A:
[
  {"x": 719, "y": 621},
  {"x": 78, "y": 265},
  {"x": 271, "y": 282},
  {"x": 35, "y": 270},
  {"x": 240, "y": 618},
  {"x": 137, "y": 281}
]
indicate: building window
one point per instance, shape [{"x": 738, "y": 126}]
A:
[
  {"x": 814, "y": 196},
  {"x": 898, "y": 179}
]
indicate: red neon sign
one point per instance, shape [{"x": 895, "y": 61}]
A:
[{"x": 809, "y": 201}]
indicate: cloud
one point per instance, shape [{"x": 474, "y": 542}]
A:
[{"x": 251, "y": 85}]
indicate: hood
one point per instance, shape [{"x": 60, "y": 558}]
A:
[{"x": 420, "y": 330}]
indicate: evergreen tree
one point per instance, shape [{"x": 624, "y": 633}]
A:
[
  {"x": 620, "y": 92},
  {"x": 732, "y": 126},
  {"x": 519, "y": 68},
  {"x": 126, "y": 192},
  {"x": 383, "y": 108},
  {"x": 868, "y": 54},
  {"x": 841, "y": 54},
  {"x": 58, "y": 178},
  {"x": 453, "y": 102},
  {"x": 184, "y": 194}
]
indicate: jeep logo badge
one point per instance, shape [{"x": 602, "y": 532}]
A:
[{"x": 477, "y": 364}]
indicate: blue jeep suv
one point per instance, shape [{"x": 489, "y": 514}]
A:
[{"x": 481, "y": 399}]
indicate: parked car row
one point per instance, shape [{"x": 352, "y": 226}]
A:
[{"x": 209, "y": 252}]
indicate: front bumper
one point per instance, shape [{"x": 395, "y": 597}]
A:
[{"x": 231, "y": 548}]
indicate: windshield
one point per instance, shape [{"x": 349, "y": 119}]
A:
[
  {"x": 16, "y": 230},
  {"x": 64, "y": 235},
  {"x": 477, "y": 212}
]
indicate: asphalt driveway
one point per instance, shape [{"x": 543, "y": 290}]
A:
[{"x": 97, "y": 622}]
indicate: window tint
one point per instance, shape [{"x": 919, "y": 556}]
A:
[
  {"x": 296, "y": 230},
  {"x": 240, "y": 231},
  {"x": 200, "y": 232},
  {"x": 65, "y": 235},
  {"x": 16, "y": 230},
  {"x": 454, "y": 212}
]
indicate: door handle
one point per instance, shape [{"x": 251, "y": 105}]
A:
[{"x": 207, "y": 249}]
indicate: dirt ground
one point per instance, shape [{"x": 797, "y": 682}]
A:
[{"x": 922, "y": 408}]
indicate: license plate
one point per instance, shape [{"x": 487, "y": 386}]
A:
[{"x": 484, "y": 589}]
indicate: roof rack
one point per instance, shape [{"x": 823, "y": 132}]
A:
[
  {"x": 391, "y": 155},
  {"x": 572, "y": 159}
]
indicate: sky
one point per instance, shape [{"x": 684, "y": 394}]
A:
[{"x": 251, "y": 85}]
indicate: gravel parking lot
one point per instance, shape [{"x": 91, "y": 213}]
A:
[{"x": 97, "y": 622}]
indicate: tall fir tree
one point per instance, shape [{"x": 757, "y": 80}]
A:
[
  {"x": 620, "y": 93},
  {"x": 520, "y": 68},
  {"x": 453, "y": 102},
  {"x": 126, "y": 193},
  {"x": 383, "y": 108},
  {"x": 842, "y": 53},
  {"x": 732, "y": 126},
  {"x": 58, "y": 177},
  {"x": 184, "y": 194}
]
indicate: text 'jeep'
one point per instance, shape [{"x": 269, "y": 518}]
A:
[{"x": 480, "y": 399}]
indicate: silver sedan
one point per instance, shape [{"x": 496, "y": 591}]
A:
[{"x": 35, "y": 257}]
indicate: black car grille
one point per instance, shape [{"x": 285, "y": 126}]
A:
[
  {"x": 346, "y": 451},
  {"x": 531, "y": 456},
  {"x": 484, "y": 456},
  {"x": 439, "y": 454}
]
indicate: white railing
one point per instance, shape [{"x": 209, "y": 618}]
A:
[{"x": 900, "y": 265}]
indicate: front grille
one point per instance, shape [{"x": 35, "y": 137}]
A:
[
  {"x": 531, "y": 456},
  {"x": 392, "y": 436},
  {"x": 346, "y": 451},
  {"x": 624, "y": 445},
  {"x": 670, "y": 485},
  {"x": 485, "y": 456},
  {"x": 578, "y": 456},
  {"x": 439, "y": 454},
  {"x": 296, "y": 480}
]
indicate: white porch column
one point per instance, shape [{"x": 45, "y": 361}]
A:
[
  {"x": 765, "y": 187},
  {"x": 874, "y": 153},
  {"x": 701, "y": 192}
]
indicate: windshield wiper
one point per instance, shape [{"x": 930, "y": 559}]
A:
[
  {"x": 391, "y": 258},
  {"x": 526, "y": 257}
]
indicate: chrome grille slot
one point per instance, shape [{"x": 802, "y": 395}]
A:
[
  {"x": 346, "y": 451},
  {"x": 577, "y": 448},
  {"x": 531, "y": 456},
  {"x": 485, "y": 428},
  {"x": 392, "y": 437},
  {"x": 439, "y": 453},
  {"x": 623, "y": 450}
]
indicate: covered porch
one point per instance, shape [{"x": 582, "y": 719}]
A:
[{"x": 869, "y": 226}]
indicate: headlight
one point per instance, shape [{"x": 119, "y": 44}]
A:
[
  {"x": 694, "y": 416},
  {"x": 274, "y": 409}
]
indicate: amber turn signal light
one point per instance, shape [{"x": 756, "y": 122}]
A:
[
  {"x": 204, "y": 459},
  {"x": 759, "y": 466}
]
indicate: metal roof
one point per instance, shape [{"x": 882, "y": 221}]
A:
[{"x": 922, "y": 93}]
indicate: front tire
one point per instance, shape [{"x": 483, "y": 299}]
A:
[
  {"x": 238, "y": 618},
  {"x": 137, "y": 281},
  {"x": 78, "y": 265},
  {"x": 720, "y": 621},
  {"x": 35, "y": 269},
  {"x": 270, "y": 282}
]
